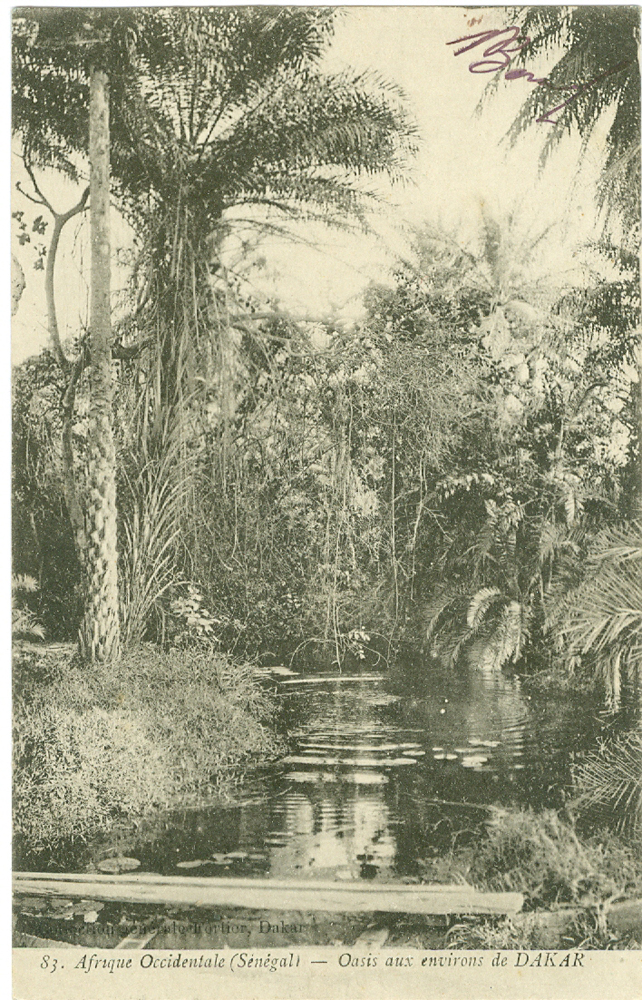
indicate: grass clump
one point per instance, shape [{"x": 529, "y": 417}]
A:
[
  {"x": 568, "y": 882},
  {"x": 98, "y": 746},
  {"x": 541, "y": 855}
]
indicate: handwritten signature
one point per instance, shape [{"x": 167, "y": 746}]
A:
[{"x": 499, "y": 54}]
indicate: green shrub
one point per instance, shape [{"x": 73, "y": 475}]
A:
[
  {"x": 97, "y": 746},
  {"x": 541, "y": 855},
  {"x": 78, "y": 771}
]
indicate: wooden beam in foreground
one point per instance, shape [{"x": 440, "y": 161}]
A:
[{"x": 269, "y": 894}]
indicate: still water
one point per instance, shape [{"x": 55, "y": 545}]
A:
[{"x": 380, "y": 773}]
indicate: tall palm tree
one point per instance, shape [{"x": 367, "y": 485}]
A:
[
  {"x": 45, "y": 45},
  {"x": 100, "y": 629},
  {"x": 241, "y": 116},
  {"x": 210, "y": 108}
]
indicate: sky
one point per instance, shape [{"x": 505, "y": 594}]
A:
[{"x": 462, "y": 166}]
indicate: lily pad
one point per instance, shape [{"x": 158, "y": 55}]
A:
[
  {"x": 475, "y": 760},
  {"x": 193, "y": 864},
  {"x": 115, "y": 866}
]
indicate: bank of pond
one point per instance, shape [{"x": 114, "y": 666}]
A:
[{"x": 182, "y": 763}]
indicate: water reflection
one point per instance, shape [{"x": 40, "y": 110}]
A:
[{"x": 379, "y": 774}]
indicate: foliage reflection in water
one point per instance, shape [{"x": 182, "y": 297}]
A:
[{"x": 376, "y": 779}]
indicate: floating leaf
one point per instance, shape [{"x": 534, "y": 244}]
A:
[
  {"x": 474, "y": 761},
  {"x": 86, "y": 906}
]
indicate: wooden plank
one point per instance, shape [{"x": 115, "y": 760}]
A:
[
  {"x": 336, "y": 679},
  {"x": 22, "y": 940},
  {"x": 270, "y": 894}
]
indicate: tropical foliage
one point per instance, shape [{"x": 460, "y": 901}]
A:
[
  {"x": 457, "y": 472},
  {"x": 596, "y": 71},
  {"x": 600, "y": 621},
  {"x": 609, "y": 785}
]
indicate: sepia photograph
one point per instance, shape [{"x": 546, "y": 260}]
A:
[{"x": 326, "y": 372}]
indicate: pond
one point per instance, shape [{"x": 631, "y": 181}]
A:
[{"x": 382, "y": 770}]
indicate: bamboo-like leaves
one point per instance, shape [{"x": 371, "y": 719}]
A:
[{"x": 153, "y": 495}]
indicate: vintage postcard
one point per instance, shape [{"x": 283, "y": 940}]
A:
[{"x": 327, "y": 502}]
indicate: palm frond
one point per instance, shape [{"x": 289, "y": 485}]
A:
[
  {"x": 479, "y": 605},
  {"x": 609, "y": 782},
  {"x": 600, "y": 620}
]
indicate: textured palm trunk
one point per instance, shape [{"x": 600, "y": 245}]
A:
[{"x": 100, "y": 631}]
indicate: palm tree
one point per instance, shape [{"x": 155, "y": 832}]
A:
[
  {"x": 598, "y": 71},
  {"x": 278, "y": 137},
  {"x": 43, "y": 47},
  {"x": 100, "y": 629},
  {"x": 600, "y": 621},
  {"x": 210, "y": 108}
]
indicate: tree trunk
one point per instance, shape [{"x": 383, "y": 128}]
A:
[{"x": 100, "y": 630}]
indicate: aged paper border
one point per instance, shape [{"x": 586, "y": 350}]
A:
[{"x": 501, "y": 976}]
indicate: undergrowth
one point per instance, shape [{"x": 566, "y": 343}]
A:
[
  {"x": 541, "y": 856},
  {"x": 97, "y": 746}
]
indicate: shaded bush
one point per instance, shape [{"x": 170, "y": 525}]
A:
[
  {"x": 93, "y": 748},
  {"x": 541, "y": 855}
]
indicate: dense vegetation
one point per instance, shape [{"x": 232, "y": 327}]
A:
[{"x": 460, "y": 471}]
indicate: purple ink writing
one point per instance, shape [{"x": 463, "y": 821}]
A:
[
  {"x": 498, "y": 55},
  {"x": 501, "y": 51}
]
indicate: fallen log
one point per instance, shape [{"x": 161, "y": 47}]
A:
[{"x": 270, "y": 894}]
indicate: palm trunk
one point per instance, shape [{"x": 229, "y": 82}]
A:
[{"x": 100, "y": 630}]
